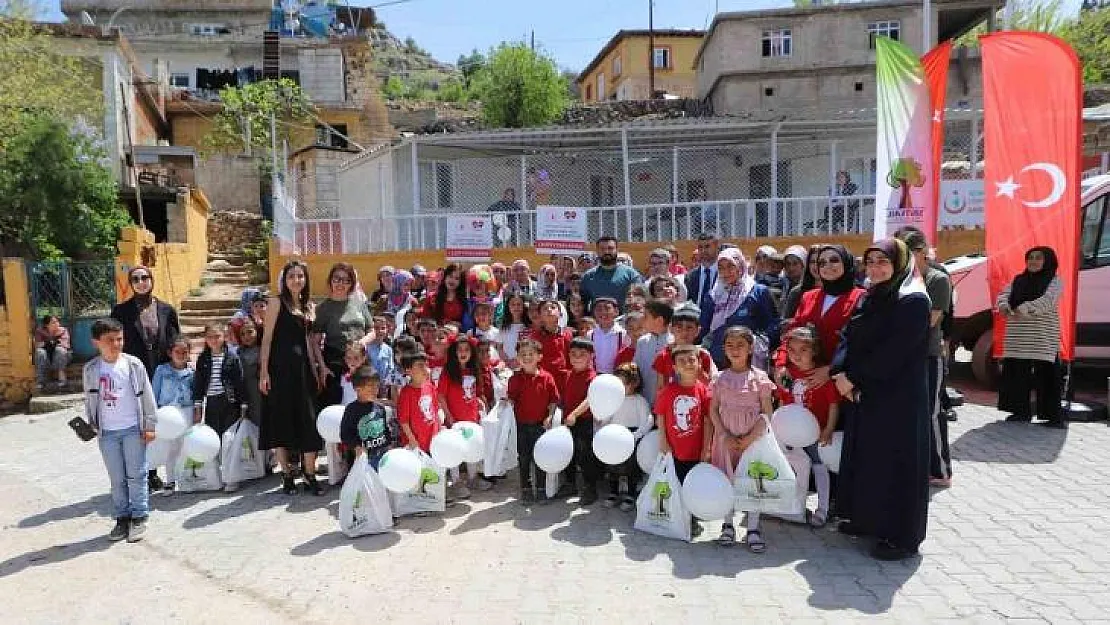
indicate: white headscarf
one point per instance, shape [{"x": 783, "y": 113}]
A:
[{"x": 726, "y": 298}]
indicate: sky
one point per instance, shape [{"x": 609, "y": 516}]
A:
[{"x": 571, "y": 31}]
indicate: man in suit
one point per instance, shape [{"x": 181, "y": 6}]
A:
[{"x": 700, "y": 279}]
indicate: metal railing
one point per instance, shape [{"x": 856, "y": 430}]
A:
[{"x": 662, "y": 223}]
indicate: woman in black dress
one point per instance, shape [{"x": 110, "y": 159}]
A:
[
  {"x": 880, "y": 366},
  {"x": 287, "y": 381},
  {"x": 150, "y": 328}
]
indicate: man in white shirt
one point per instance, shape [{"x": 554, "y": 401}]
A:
[
  {"x": 609, "y": 338},
  {"x": 700, "y": 280}
]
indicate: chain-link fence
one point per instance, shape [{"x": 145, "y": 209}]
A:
[{"x": 647, "y": 181}]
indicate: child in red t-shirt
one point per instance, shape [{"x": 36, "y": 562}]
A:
[
  {"x": 437, "y": 355},
  {"x": 417, "y": 404},
  {"x": 533, "y": 396},
  {"x": 803, "y": 353},
  {"x": 685, "y": 326},
  {"x": 682, "y": 413},
  {"x": 553, "y": 340},
  {"x": 580, "y": 420},
  {"x": 461, "y": 397}
]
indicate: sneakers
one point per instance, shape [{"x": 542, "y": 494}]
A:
[
  {"x": 628, "y": 503},
  {"x": 527, "y": 497},
  {"x": 610, "y": 501},
  {"x": 589, "y": 496},
  {"x": 566, "y": 491},
  {"x": 728, "y": 535},
  {"x": 154, "y": 482},
  {"x": 119, "y": 532},
  {"x": 231, "y": 487},
  {"x": 137, "y": 530}
]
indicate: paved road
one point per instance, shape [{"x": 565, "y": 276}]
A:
[{"x": 1023, "y": 536}]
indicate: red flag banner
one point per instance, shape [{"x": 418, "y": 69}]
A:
[
  {"x": 1032, "y": 103},
  {"x": 936, "y": 76}
]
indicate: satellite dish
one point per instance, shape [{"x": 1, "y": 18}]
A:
[{"x": 87, "y": 19}]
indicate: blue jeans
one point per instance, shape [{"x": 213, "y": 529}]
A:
[{"x": 124, "y": 455}]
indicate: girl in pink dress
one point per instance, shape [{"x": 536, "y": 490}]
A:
[{"x": 742, "y": 394}]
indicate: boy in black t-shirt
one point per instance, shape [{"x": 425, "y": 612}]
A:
[{"x": 366, "y": 425}]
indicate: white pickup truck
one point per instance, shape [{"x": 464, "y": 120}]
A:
[{"x": 973, "y": 319}]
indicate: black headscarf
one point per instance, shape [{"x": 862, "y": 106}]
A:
[
  {"x": 142, "y": 300},
  {"x": 1029, "y": 285},
  {"x": 847, "y": 281},
  {"x": 899, "y": 255}
]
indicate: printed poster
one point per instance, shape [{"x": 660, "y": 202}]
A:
[
  {"x": 469, "y": 238},
  {"x": 560, "y": 229}
]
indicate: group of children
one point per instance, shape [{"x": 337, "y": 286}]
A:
[{"x": 401, "y": 388}]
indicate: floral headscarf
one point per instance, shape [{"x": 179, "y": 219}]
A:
[
  {"x": 547, "y": 289},
  {"x": 399, "y": 295},
  {"x": 727, "y": 298}
]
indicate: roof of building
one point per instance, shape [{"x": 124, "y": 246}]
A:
[{"x": 625, "y": 34}]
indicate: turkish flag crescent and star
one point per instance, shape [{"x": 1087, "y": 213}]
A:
[
  {"x": 936, "y": 76},
  {"x": 1032, "y": 104}
]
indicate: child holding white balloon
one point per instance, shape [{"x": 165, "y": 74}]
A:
[
  {"x": 634, "y": 414},
  {"x": 804, "y": 354},
  {"x": 460, "y": 396},
  {"x": 534, "y": 397},
  {"x": 418, "y": 404},
  {"x": 173, "y": 386},
  {"x": 366, "y": 425},
  {"x": 580, "y": 420},
  {"x": 742, "y": 397},
  {"x": 682, "y": 409}
]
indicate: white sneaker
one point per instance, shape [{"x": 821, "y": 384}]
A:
[{"x": 231, "y": 488}]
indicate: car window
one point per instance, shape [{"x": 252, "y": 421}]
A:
[{"x": 1095, "y": 252}]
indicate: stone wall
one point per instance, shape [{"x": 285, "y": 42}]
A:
[
  {"x": 230, "y": 182},
  {"x": 322, "y": 74},
  {"x": 229, "y": 232}
]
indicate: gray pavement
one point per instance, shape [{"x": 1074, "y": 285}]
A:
[{"x": 1022, "y": 536}]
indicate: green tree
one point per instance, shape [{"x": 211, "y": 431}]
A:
[
  {"x": 35, "y": 77},
  {"x": 1090, "y": 37},
  {"x": 394, "y": 88},
  {"x": 519, "y": 87},
  {"x": 905, "y": 173},
  {"x": 1043, "y": 16},
  {"x": 759, "y": 471},
  {"x": 246, "y": 114},
  {"x": 58, "y": 197},
  {"x": 469, "y": 64},
  {"x": 452, "y": 91}
]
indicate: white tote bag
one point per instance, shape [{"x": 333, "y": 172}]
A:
[
  {"x": 337, "y": 464},
  {"x": 364, "y": 502},
  {"x": 240, "y": 459},
  {"x": 196, "y": 477},
  {"x": 430, "y": 494},
  {"x": 499, "y": 434},
  {"x": 551, "y": 485},
  {"x": 764, "y": 480},
  {"x": 659, "y": 508}
]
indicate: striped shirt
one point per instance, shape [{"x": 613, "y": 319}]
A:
[
  {"x": 1034, "y": 334},
  {"x": 215, "y": 381}
]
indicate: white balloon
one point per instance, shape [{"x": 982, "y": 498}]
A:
[
  {"x": 170, "y": 423},
  {"x": 475, "y": 440},
  {"x": 605, "y": 395},
  {"x": 613, "y": 444},
  {"x": 830, "y": 454},
  {"x": 647, "y": 451},
  {"x": 707, "y": 493},
  {"x": 504, "y": 233},
  {"x": 448, "y": 448},
  {"x": 795, "y": 426},
  {"x": 399, "y": 470},
  {"x": 498, "y": 219},
  {"x": 554, "y": 450},
  {"x": 329, "y": 422},
  {"x": 158, "y": 453},
  {"x": 201, "y": 443}
]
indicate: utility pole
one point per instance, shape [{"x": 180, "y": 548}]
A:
[
  {"x": 533, "y": 41},
  {"x": 131, "y": 154},
  {"x": 651, "y": 49},
  {"x": 926, "y": 24}
]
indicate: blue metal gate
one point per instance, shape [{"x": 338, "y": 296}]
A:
[{"x": 77, "y": 292}]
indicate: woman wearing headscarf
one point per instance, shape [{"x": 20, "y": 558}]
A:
[
  {"x": 400, "y": 295},
  {"x": 385, "y": 286},
  {"x": 150, "y": 327},
  {"x": 245, "y": 313},
  {"x": 811, "y": 279},
  {"x": 1029, "y": 357},
  {"x": 547, "y": 283},
  {"x": 881, "y": 367},
  {"x": 827, "y": 307},
  {"x": 659, "y": 266},
  {"x": 738, "y": 300}
]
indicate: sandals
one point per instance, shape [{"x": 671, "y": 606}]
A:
[
  {"x": 728, "y": 535},
  {"x": 311, "y": 485},
  {"x": 755, "y": 541},
  {"x": 816, "y": 519},
  {"x": 288, "y": 486}
]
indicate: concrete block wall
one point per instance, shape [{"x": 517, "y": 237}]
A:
[{"x": 321, "y": 72}]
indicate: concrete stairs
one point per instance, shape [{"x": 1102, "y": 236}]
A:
[{"x": 225, "y": 278}]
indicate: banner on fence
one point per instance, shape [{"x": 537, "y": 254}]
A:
[
  {"x": 962, "y": 204},
  {"x": 469, "y": 239},
  {"x": 560, "y": 229}
]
